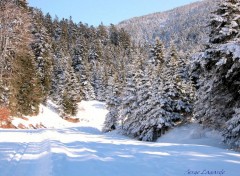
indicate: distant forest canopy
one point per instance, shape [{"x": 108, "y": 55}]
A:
[
  {"x": 154, "y": 72},
  {"x": 187, "y": 26}
]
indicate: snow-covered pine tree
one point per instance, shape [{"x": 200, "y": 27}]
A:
[
  {"x": 152, "y": 82},
  {"x": 124, "y": 39},
  {"x": 65, "y": 86},
  {"x": 217, "y": 70},
  {"x": 113, "y": 102},
  {"x": 133, "y": 119},
  {"x": 113, "y": 35},
  {"x": 78, "y": 56},
  {"x": 100, "y": 82},
  {"x": 168, "y": 101},
  {"x": 102, "y": 34},
  {"x": 129, "y": 96},
  {"x": 58, "y": 77},
  {"x": 82, "y": 68},
  {"x": 176, "y": 87},
  {"x": 95, "y": 59},
  {"x": 71, "y": 94},
  {"x": 144, "y": 88},
  {"x": 156, "y": 53},
  {"x": 42, "y": 51},
  {"x": 128, "y": 99},
  {"x": 152, "y": 101},
  {"x": 26, "y": 86},
  {"x": 87, "y": 87},
  {"x": 48, "y": 24},
  {"x": 151, "y": 121},
  {"x": 231, "y": 133}
]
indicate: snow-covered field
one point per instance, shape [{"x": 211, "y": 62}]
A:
[{"x": 80, "y": 149}]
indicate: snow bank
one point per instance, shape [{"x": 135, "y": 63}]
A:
[
  {"x": 92, "y": 116},
  {"x": 193, "y": 134},
  {"x": 48, "y": 117},
  {"x": 90, "y": 112}
]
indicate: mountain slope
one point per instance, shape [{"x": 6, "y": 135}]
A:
[{"x": 186, "y": 25}]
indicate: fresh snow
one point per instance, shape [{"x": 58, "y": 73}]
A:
[
  {"x": 49, "y": 117},
  {"x": 81, "y": 149},
  {"x": 193, "y": 134}
]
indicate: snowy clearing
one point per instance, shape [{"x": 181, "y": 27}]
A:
[{"x": 81, "y": 149}]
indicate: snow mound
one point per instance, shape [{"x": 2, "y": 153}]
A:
[
  {"x": 90, "y": 113},
  {"x": 193, "y": 134}
]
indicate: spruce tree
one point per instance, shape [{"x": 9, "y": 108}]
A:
[
  {"x": 42, "y": 50},
  {"x": 114, "y": 35},
  {"x": 102, "y": 34},
  {"x": 217, "y": 72},
  {"x": 124, "y": 39},
  {"x": 66, "y": 89},
  {"x": 71, "y": 95},
  {"x": 128, "y": 100},
  {"x": 132, "y": 119},
  {"x": 100, "y": 85},
  {"x": 161, "y": 99},
  {"x": 26, "y": 90},
  {"x": 156, "y": 53},
  {"x": 88, "y": 88},
  {"x": 144, "y": 88},
  {"x": 113, "y": 102}
]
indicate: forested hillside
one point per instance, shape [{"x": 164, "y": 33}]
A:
[
  {"x": 49, "y": 58},
  {"x": 187, "y": 26},
  {"x": 141, "y": 68}
]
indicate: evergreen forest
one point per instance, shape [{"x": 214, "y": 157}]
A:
[{"x": 152, "y": 78}]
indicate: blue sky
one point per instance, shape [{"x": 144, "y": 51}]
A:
[{"x": 94, "y": 12}]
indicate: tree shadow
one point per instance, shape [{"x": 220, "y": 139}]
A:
[{"x": 87, "y": 151}]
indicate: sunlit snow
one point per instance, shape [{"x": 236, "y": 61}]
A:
[{"x": 81, "y": 149}]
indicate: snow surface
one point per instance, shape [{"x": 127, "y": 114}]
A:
[
  {"x": 80, "y": 149},
  {"x": 49, "y": 117},
  {"x": 193, "y": 134}
]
